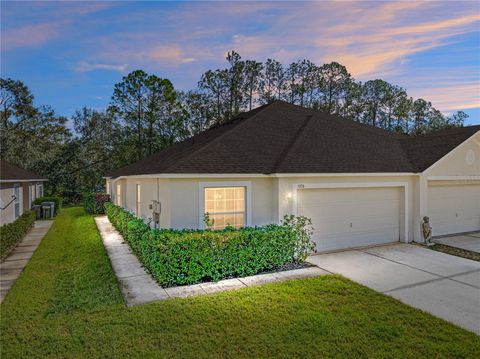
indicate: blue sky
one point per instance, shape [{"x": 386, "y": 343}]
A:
[{"x": 71, "y": 54}]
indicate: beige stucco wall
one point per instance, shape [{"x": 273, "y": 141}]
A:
[
  {"x": 186, "y": 207},
  {"x": 455, "y": 163},
  {"x": 150, "y": 189},
  {"x": 270, "y": 196},
  {"x": 6, "y": 192}
]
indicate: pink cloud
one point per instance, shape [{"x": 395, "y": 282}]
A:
[
  {"x": 30, "y": 35},
  {"x": 60, "y": 15}
]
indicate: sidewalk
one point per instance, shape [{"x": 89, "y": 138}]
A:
[
  {"x": 16, "y": 261},
  {"x": 138, "y": 287}
]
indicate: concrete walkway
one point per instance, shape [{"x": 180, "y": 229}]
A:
[
  {"x": 138, "y": 287},
  {"x": 468, "y": 241},
  {"x": 443, "y": 285},
  {"x": 16, "y": 261}
]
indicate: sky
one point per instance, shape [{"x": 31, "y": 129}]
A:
[{"x": 70, "y": 54}]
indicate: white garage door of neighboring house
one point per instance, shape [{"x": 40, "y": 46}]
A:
[
  {"x": 352, "y": 217},
  {"x": 454, "y": 208}
]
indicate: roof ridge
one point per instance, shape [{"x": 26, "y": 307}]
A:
[
  {"x": 242, "y": 121},
  {"x": 336, "y": 117},
  {"x": 289, "y": 146}
]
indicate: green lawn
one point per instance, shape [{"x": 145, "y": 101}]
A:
[{"x": 67, "y": 304}]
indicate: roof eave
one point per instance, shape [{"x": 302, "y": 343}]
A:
[{"x": 23, "y": 180}]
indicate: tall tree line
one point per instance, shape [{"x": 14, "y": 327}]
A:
[
  {"x": 329, "y": 88},
  {"x": 146, "y": 114}
]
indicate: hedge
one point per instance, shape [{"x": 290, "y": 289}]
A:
[
  {"x": 12, "y": 233},
  {"x": 56, "y": 200},
  {"x": 178, "y": 257},
  {"x": 94, "y": 202}
]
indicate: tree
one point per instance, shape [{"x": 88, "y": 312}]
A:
[
  {"x": 144, "y": 103},
  {"x": 374, "y": 96},
  {"x": 196, "y": 108},
  {"x": 235, "y": 81},
  {"x": 272, "y": 82},
  {"x": 457, "y": 119},
  {"x": 97, "y": 144},
  {"x": 252, "y": 71},
  {"x": 302, "y": 82},
  {"x": 30, "y": 137},
  {"x": 214, "y": 87},
  {"x": 403, "y": 105},
  {"x": 334, "y": 84},
  {"x": 419, "y": 113},
  {"x": 17, "y": 112}
]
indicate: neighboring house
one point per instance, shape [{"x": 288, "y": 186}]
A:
[
  {"x": 360, "y": 185},
  {"x": 18, "y": 189}
]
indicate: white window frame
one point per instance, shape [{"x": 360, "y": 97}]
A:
[
  {"x": 138, "y": 200},
  {"x": 220, "y": 184},
  {"x": 118, "y": 194}
]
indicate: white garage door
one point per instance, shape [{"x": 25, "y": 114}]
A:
[
  {"x": 454, "y": 208},
  {"x": 353, "y": 217}
]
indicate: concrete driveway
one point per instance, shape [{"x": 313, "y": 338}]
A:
[
  {"x": 468, "y": 241},
  {"x": 443, "y": 285}
]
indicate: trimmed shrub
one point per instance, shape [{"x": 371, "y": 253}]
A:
[
  {"x": 94, "y": 202},
  {"x": 12, "y": 233},
  {"x": 56, "y": 200},
  {"x": 177, "y": 257}
]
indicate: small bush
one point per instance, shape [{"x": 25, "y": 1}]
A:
[
  {"x": 177, "y": 257},
  {"x": 56, "y": 200},
  {"x": 12, "y": 233},
  {"x": 94, "y": 202}
]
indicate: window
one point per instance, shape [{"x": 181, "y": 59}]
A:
[
  {"x": 16, "y": 193},
  {"x": 138, "y": 201},
  {"x": 119, "y": 194},
  {"x": 225, "y": 206},
  {"x": 40, "y": 190}
]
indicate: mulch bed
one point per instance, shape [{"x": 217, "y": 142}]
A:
[{"x": 456, "y": 251}]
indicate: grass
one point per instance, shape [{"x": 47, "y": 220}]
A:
[{"x": 67, "y": 304}]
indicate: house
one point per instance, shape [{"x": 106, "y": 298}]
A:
[
  {"x": 18, "y": 189},
  {"x": 360, "y": 185}
]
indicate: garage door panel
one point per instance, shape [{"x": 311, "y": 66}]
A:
[
  {"x": 351, "y": 217},
  {"x": 375, "y": 207},
  {"x": 454, "y": 208},
  {"x": 354, "y": 239},
  {"x": 344, "y": 195},
  {"x": 338, "y": 225}
]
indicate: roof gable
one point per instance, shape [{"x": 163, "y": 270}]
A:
[{"x": 424, "y": 151}]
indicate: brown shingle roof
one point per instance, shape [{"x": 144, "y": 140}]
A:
[
  {"x": 11, "y": 172},
  {"x": 285, "y": 138}
]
